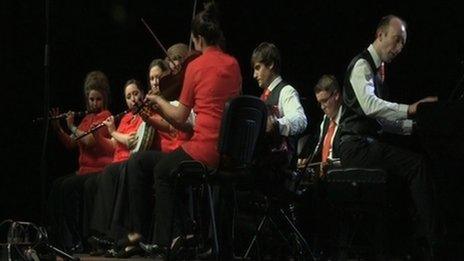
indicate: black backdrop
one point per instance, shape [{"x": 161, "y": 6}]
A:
[{"x": 315, "y": 37}]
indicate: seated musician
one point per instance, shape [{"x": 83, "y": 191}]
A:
[
  {"x": 286, "y": 117},
  {"x": 325, "y": 150},
  {"x": 140, "y": 166},
  {"x": 65, "y": 193},
  {"x": 368, "y": 113},
  {"x": 102, "y": 192},
  {"x": 210, "y": 81}
]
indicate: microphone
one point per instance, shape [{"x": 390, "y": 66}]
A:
[{"x": 60, "y": 116}]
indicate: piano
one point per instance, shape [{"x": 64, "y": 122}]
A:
[{"x": 440, "y": 131}]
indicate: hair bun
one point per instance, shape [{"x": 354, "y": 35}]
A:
[{"x": 210, "y": 12}]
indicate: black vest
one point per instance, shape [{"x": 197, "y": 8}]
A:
[
  {"x": 353, "y": 121},
  {"x": 273, "y": 100}
]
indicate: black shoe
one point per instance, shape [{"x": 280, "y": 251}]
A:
[
  {"x": 177, "y": 247},
  {"x": 77, "y": 248},
  {"x": 130, "y": 251},
  {"x": 152, "y": 249},
  {"x": 97, "y": 252},
  {"x": 100, "y": 245}
]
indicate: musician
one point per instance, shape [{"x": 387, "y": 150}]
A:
[
  {"x": 329, "y": 97},
  {"x": 368, "y": 113},
  {"x": 286, "y": 115},
  {"x": 210, "y": 80},
  {"x": 66, "y": 191},
  {"x": 103, "y": 192},
  {"x": 140, "y": 165}
]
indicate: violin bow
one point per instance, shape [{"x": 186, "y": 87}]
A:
[
  {"x": 158, "y": 42},
  {"x": 193, "y": 17}
]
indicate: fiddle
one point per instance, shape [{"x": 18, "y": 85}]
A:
[
  {"x": 98, "y": 126},
  {"x": 170, "y": 85}
]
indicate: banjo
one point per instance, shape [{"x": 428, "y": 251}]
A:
[{"x": 145, "y": 135}]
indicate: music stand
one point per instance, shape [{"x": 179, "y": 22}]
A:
[{"x": 20, "y": 236}]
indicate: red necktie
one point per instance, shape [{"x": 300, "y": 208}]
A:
[
  {"x": 265, "y": 94},
  {"x": 381, "y": 72},
  {"x": 328, "y": 141}
]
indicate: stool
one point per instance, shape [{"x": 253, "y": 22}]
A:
[{"x": 360, "y": 198}]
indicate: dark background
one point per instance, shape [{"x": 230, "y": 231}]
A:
[{"x": 315, "y": 37}]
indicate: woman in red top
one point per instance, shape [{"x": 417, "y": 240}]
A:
[
  {"x": 101, "y": 191},
  {"x": 210, "y": 80},
  {"x": 65, "y": 192},
  {"x": 140, "y": 165}
]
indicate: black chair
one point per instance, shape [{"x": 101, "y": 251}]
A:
[{"x": 243, "y": 125}]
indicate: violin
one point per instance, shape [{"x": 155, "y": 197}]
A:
[{"x": 171, "y": 85}]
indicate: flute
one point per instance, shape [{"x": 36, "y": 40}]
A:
[{"x": 98, "y": 126}]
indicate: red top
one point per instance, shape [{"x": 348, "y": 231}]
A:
[
  {"x": 172, "y": 140},
  {"x": 169, "y": 141},
  {"x": 129, "y": 124},
  {"x": 95, "y": 158},
  {"x": 210, "y": 81}
]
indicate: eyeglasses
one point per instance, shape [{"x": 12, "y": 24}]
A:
[{"x": 323, "y": 102}]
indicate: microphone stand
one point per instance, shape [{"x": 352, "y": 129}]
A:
[{"x": 46, "y": 108}]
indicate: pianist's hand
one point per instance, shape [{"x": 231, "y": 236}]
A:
[{"x": 412, "y": 109}]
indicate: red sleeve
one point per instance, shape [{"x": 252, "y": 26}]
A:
[{"x": 187, "y": 94}]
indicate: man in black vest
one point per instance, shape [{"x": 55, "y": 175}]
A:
[
  {"x": 326, "y": 149},
  {"x": 286, "y": 115},
  {"x": 368, "y": 114}
]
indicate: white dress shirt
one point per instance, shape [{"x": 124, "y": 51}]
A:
[
  {"x": 292, "y": 119},
  {"x": 392, "y": 116}
]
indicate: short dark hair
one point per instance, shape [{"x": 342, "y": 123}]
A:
[
  {"x": 206, "y": 24},
  {"x": 266, "y": 53},
  {"x": 137, "y": 83},
  {"x": 385, "y": 22},
  {"x": 327, "y": 83}
]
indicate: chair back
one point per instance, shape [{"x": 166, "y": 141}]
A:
[{"x": 243, "y": 125}]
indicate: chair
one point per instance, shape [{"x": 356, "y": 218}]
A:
[{"x": 243, "y": 124}]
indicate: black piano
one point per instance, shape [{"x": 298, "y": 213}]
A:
[{"x": 440, "y": 132}]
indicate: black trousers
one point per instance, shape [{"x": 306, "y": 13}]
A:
[
  {"x": 102, "y": 195},
  {"x": 164, "y": 194},
  {"x": 409, "y": 166},
  {"x": 66, "y": 207},
  {"x": 140, "y": 190}
]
